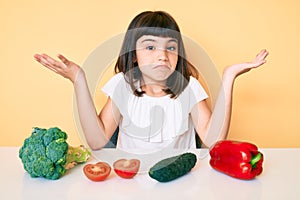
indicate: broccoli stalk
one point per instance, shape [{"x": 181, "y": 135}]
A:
[
  {"x": 47, "y": 154},
  {"x": 76, "y": 155}
]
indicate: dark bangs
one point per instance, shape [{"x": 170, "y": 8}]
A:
[
  {"x": 157, "y": 31},
  {"x": 155, "y": 23}
]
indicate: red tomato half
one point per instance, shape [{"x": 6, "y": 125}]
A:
[
  {"x": 127, "y": 168},
  {"x": 97, "y": 172}
]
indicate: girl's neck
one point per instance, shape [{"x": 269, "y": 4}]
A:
[{"x": 153, "y": 88}]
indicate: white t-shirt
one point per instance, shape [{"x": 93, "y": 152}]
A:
[{"x": 149, "y": 124}]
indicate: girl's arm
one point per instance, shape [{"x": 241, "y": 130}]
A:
[
  {"x": 98, "y": 129},
  {"x": 213, "y": 126}
]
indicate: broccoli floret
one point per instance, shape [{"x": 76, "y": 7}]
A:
[{"x": 47, "y": 154}]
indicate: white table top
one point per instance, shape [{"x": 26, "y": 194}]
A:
[{"x": 279, "y": 180}]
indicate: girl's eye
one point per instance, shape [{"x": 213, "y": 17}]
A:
[
  {"x": 150, "y": 47},
  {"x": 172, "y": 48}
]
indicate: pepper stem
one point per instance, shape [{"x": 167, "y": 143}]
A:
[{"x": 255, "y": 159}]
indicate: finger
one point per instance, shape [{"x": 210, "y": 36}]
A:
[
  {"x": 63, "y": 59},
  {"x": 262, "y": 55},
  {"x": 259, "y": 63},
  {"x": 52, "y": 68},
  {"x": 36, "y": 56},
  {"x": 39, "y": 58},
  {"x": 266, "y": 53},
  {"x": 52, "y": 61},
  {"x": 45, "y": 62}
]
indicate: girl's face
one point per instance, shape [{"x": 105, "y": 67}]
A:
[{"x": 156, "y": 57}]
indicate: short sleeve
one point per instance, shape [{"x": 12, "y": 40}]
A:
[
  {"x": 197, "y": 90},
  {"x": 191, "y": 95},
  {"x": 119, "y": 91},
  {"x": 109, "y": 88}
]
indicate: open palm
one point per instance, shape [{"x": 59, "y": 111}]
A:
[
  {"x": 64, "y": 67},
  {"x": 242, "y": 68}
]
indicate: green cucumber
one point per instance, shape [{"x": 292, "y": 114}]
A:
[{"x": 172, "y": 168}]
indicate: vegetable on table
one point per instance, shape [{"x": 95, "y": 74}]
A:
[
  {"x": 47, "y": 154},
  {"x": 97, "y": 172},
  {"x": 126, "y": 168},
  {"x": 173, "y": 167},
  {"x": 240, "y": 160}
]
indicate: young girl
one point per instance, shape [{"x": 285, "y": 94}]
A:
[{"x": 154, "y": 98}]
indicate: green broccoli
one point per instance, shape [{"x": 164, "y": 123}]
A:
[{"x": 47, "y": 154}]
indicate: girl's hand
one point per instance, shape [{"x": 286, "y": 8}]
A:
[
  {"x": 238, "y": 69},
  {"x": 64, "y": 67}
]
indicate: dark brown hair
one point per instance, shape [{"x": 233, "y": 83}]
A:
[{"x": 157, "y": 23}]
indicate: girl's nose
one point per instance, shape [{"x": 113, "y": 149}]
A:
[{"x": 162, "y": 55}]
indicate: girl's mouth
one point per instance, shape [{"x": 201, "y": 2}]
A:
[{"x": 162, "y": 67}]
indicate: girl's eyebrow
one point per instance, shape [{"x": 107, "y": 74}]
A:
[
  {"x": 173, "y": 40},
  {"x": 149, "y": 40},
  {"x": 153, "y": 40}
]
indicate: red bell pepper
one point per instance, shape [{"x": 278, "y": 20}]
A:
[{"x": 237, "y": 159}]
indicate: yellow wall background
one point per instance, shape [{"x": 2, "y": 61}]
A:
[{"x": 266, "y": 101}]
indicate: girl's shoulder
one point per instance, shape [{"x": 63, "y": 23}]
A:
[
  {"x": 194, "y": 90},
  {"x": 194, "y": 83},
  {"x": 117, "y": 77},
  {"x": 115, "y": 82}
]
